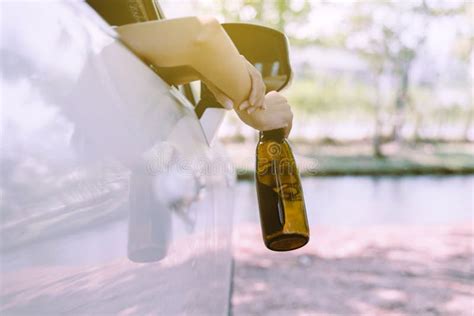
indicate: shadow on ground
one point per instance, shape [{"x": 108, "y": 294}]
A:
[
  {"x": 181, "y": 284},
  {"x": 398, "y": 271}
]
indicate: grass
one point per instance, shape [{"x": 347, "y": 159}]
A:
[{"x": 357, "y": 159}]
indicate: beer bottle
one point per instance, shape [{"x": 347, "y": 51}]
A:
[{"x": 280, "y": 195}]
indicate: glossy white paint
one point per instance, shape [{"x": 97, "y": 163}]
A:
[{"x": 103, "y": 166}]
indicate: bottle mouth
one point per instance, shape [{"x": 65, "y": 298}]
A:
[{"x": 287, "y": 242}]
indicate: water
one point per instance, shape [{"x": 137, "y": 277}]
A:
[
  {"x": 365, "y": 201},
  {"x": 331, "y": 201}
]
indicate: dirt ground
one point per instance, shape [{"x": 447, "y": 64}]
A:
[{"x": 374, "y": 271}]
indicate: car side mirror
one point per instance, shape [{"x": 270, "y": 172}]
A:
[{"x": 266, "y": 48}]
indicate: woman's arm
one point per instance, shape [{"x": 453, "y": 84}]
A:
[{"x": 197, "y": 47}]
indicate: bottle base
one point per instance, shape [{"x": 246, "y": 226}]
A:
[{"x": 287, "y": 242}]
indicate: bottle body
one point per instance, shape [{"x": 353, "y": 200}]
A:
[{"x": 280, "y": 195}]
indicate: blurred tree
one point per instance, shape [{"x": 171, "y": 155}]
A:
[
  {"x": 277, "y": 14},
  {"x": 389, "y": 35},
  {"x": 463, "y": 51}
]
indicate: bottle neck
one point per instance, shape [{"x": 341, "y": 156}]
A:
[{"x": 274, "y": 135}]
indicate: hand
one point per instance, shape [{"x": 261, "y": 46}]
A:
[
  {"x": 276, "y": 115},
  {"x": 256, "y": 97}
]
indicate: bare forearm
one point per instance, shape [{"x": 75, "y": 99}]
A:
[{"x": 199, "y": 43}]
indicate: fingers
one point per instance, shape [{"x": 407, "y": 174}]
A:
[
  {"x": 257, "y": 93},
  {"x": 277, "y": 115},
  {"x": 244, "y": 106},
  {"x": 258, "y": 87},
  {"x": 279, "y": 112}
]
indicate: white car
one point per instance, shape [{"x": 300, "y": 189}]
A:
[{"x": 113, "y": 199}]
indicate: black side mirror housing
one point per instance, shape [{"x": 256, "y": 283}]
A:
[{"x": 267, "y": 49}]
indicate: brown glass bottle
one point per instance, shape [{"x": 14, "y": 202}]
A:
[{"x": 280, "y": 195}]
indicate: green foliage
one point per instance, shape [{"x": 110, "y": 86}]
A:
[
  {"x": 273, "y": 13},
  {"x": 423, "y": 103},
  {"x": 330, "y": 96},
  {"x": 357, "y": 159},
  {"x": 341, "y": 98},
  {"x": 391, "y": 37}
]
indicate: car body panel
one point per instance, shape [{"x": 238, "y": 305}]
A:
[{"x": 113, "y": 201}]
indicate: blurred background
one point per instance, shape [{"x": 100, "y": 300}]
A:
[
  {"x": 372, "y": 79},
  {"x": 383, "y": 132},
  {"x": 383, "y": 136}
]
